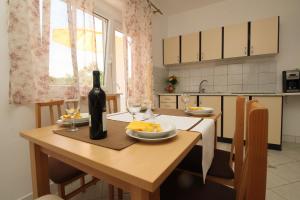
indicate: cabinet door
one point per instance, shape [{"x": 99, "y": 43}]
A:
[
  {"x": 171, "y": 50},
  {"x": 229, "y": 116},
  {"x": 192, "y": 102},
  {"x": 274, "y": 105},
  {"x": 190, "y": 48},
  {"x": 236, "y": 40},
  {"x": 211, "y": 44},
  {"x": 213, "y": 102},
  {"x": 264, "y": 36}
]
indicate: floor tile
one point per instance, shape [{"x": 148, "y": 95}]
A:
[
  {"x": 273, "y": 196},
  {"x": 289, "y": 172},
  {"x": 289, "y": 192},
  {"x": 274, "y": 181}
]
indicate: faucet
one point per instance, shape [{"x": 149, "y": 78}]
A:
[{"x": 201, "y": 89}]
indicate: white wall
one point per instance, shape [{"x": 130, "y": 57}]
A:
[{"x": 236, "y": 11}]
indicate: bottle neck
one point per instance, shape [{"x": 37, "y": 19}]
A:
[{"x": 96, "y": 81}]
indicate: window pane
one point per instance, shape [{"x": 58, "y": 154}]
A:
[{"x": 60, "y": 60}]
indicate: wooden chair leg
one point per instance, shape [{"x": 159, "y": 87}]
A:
[
  {"x": 120, "y": 194},
  {"x": 82, "y": 182},
  {"x": 61, "y": 191},
  {"x": 111, "y": 192}
]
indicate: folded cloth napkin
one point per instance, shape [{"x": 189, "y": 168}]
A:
[
  {"x": 207, "y": 130},
  {"x": 181, "y": 123}
]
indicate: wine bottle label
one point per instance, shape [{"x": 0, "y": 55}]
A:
[{"x": 104, "y": 121}]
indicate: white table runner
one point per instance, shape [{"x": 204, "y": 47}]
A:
[{"x": 207, "y": 130}]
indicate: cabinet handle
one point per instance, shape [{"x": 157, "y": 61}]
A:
[{"x": 245, "y": 51}]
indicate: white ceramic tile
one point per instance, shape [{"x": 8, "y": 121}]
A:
[
  {"x": 235, "y": 69},
  {"x": 274, "y": 181},
  {"x": 250, "y": 68},
  {"x": 221, "y": 70},
  {"x": 235, "y": 88},
  {"x": 220, "y": 88},
  {"x": 267, "y": 67},
  {"x": 195, "y": 80},
  {"x": 267, "y": 78},
  {"x": 289, "y": 138},
  {"x": 220, "y": 80},
  {"x": 250, "y": 88},
  {"x": 210, "y": 79},
  {"x": 290, "y": 172},
  {"x": 250, "y": 79},
  {"x": 235, "y": 79},
  {"x": 270, "y": 195},
  {"x": 267, "y": 88},
  {"x": 207, "y": 71},
  {"x": 290, "y": 192}
]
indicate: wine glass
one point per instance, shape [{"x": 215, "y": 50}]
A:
[
  {"x": 73, "y": 110},
  {"x": 133, "y": 107},
  {"x": 148, "y": 115},
  {"x": 186, "y": 100}
]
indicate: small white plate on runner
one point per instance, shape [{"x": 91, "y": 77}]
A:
[
  {"x": 203, "y": 112},
  {"x": 132, "y": 134}
]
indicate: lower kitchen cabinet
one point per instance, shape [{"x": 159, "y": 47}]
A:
[
  {"x": 229, "y": 115},
  {"x": 274, "y": 105},
  {"x": 214, "y": 102},
  {"x": 168, "y": 102}
]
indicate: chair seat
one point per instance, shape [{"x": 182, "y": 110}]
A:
[
  {"x": 60, "y": 172},
  {"x": 219, "y": 167},
  {"x": 183, "y": 186}
]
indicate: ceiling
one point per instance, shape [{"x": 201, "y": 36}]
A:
[{"x": 170, "y": 7}]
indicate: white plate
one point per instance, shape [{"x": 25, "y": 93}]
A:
[
  {"x": 135, "y": 136},
  {"x": 166, "y": 127},
  {"x": 206, "y": 110},
  {"x": 84, "y": 117}
]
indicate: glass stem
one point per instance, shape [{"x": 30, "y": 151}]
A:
[{"x": 73, "y": 123}]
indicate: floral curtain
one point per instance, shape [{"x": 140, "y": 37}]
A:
[
  {"x": 29, "y": 37},
  {"x": 28, "y": 47},
  {"x": 138, "y": 29}
]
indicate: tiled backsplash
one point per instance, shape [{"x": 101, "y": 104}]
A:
[
  {"x": 246, "y": 77},
  {"x": 159, "y": 79}
]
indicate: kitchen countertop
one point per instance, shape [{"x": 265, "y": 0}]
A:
[{"x": 232, "y": 94}]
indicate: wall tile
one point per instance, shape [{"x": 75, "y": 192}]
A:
[
  {"x": 235, "y": 69},
  {"x": 235, "y": 88},
  {"x": 250, "y": 79},
  {"x": 250, "y": 88},
  {"x": 250, "y": 68},
  {"x": 267, "y": 67},
  {"x": 221, "y": 70},
  {"x": 267, "y": 88},
  {"x": 220, "y": 88},
  {"x": 267, "y": 78},
  {"x": 220, "y": 80},
  {"x": 235, "y": 79}
]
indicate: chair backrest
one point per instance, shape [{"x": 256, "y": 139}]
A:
[
  {"x": 112, "y": 103},
  {"x": 50, "y": 104},
  {"x": 238, "y": 139},
  {"x": 254, "y": 172}
]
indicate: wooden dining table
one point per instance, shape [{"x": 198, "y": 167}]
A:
[{"x": 139, "y": 169}]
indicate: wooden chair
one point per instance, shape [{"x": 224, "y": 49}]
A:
[
  {"x": 59, "y": 172},
  {"x": 221, "y": 169},
  {"x": 112, "y": 107},
  {"x": 49, "y": 197},
  {"x": 252, "y": 183}
]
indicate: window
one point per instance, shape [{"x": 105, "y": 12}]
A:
[{"x": 90, "y": 37}]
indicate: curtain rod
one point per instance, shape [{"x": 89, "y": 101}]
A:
[{"x": 156, "y": 9}]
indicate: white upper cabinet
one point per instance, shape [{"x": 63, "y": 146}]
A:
[
  {"x": 211, "y": 44},
  {"x": 190, "y": 48},
  {"x": 171, "y": 50},
  {"x": 264, "y": 36},
  {"x": 236, "y": 40}
]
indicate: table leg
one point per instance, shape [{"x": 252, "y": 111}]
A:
[
  {"x": 39, "y": 171},
  {"x": 140, "y": 194}
]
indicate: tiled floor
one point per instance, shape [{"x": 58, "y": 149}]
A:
[{"x": 283, "y": 179}]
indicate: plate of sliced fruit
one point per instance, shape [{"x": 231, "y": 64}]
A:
[
  {"x": 79, "y": 118},
  {"x": 193, "y": 110},
  {"x": 150, "y": 130}
]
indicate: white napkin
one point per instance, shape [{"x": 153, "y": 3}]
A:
[
  {"x": 207, "y": 130},
  {"x": 126, "y": 117},
  {"x": 181, "y": 123}
]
